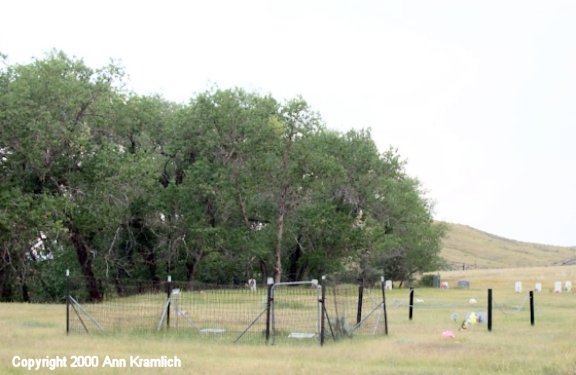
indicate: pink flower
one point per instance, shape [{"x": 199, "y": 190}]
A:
[{"x": 448, "y": 333}]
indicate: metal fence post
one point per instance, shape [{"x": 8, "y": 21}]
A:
[
  {"x": 67, "y": 301},
  {"x": 168, "y": 293},
  {"x": 323, "y": 310},
  {"x": 269, "y": 299},
  {"x": 411, "y": 307},
  {"x": 489, "y": 310},
  {"x": 383, "y": 284},
  {"x": 531, "y": 307},
  {"x": 360, "y": 300}
]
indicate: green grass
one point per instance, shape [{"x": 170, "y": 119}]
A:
[{"x": 412, "y": 347}]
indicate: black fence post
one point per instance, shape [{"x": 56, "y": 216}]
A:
[
  {"x": 411, "y": 307},
  {"x": 67, "y": 301},
  {"x": 360, "y": 299},
  {"x": 168, "y": 294},
  {"x": 489, "y": 310},
  {"x": 269, "y": 299},
  {"x": 383, "y": 284},
  {"x": 531, "y": 307},
  {"x": 323, "y": 310}
]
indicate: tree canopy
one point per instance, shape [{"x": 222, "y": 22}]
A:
[{"x": 231, "y": 186}]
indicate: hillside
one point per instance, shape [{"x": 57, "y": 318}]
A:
[{"x": 464, "y": 246}]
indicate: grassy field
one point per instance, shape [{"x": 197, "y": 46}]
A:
[
  {"x": 464, "y": 244},
  {"x": 412, "y": 347}
]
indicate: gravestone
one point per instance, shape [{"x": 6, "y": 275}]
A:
[
  {"x": 252, "y": 284},
  {"x": 464, "y": 284},
  {"x": 518, "y": 287},
  {"x": 538, "y": 287},
  {"x": 558, "y": 287},
  {"x": 388, "y": 285},
  {"x": 436, "y": 281}
]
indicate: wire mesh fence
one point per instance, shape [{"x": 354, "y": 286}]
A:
[
  {"x": 141, "y": 306},
  {"x": 464, "y": 309},
  {"x": 301, "y": 312},
  {"x": 355, "y": 310},
  {"x": 272, "y": 313}
]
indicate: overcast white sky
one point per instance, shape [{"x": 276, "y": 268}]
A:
[{"x": 478, "y": 96}]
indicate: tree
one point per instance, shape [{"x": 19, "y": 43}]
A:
[
  {"x": 405, "y": 240},
  {"x": 231, "y": 186},
  {"x": 297, "y": 122},
  {"x": 222, "y": 139},
  {"x": 47, "y": 109}
]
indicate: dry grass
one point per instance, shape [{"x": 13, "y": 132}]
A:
[
  {"x": 505, "y": 278},
  {"x": 464, "y": 244},
  {"x": 413, "y": 347},
  {"x": 231, "y": 310}
]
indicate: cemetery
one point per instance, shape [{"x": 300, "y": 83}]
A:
[{"x": 315, "y": 311}]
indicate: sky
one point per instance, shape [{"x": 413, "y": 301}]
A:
[{"x": 478, "y": 97}]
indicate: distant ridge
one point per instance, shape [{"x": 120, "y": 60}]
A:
[{"x": 467, "y": 247}]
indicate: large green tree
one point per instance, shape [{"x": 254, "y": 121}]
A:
[
  {"x": 230, "y": 186},
  {"x": 63, "y": 124}
]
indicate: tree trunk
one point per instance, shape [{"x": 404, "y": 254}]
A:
[
  {"x": 5, "y": 285},
  {"x": 150, "y": 259},
  {"x": 282, "y": 204},
  {"x": 192, "y": 265},
  {"x": 278, "y": 250},
  {"x": 25, "y": 293},
  {"x": 263, "y": 266},
  {"x": 294, "y": 268},
  {"x": 83, "y": 254},
  {"x": 280, "y": 236}
]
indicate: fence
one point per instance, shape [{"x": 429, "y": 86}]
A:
[
  {"x": 271, "y": 313},
  {"x": 461, "y": 266},
  {"x": 308, "y": 311},
  {"x": 468, "y": 312}
]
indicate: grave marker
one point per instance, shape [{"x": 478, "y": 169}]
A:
[
  {"x": 538, "y": 287},
  {"x": 558, "y": 287},
  {"x": 388, "y": 285},
  {"x": 464, "y": 284}
]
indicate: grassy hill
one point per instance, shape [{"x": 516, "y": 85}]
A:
[{"x": 464, "y": 246}]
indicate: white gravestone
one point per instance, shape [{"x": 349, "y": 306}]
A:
[
  {"x": 388, "y": 285},
  {"x": 252, "y": 284},
  {"x": 518, "y": 287},
  {"x": 538, "y": 287},
  {"x": 558, "y": 287}
]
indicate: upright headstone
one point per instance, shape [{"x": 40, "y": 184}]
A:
[
  {"x": 538, "y": 287},
  {"x": 388, "y": 285},
  {"x": 568, "y": 286},
  {"x": 436, "y": 281},
  {"x": 518, "y": 287},
  {"x": 444, "y": 285},
  {"x": 464, "y": 284},
  {"x": 558, "y": 287}
]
